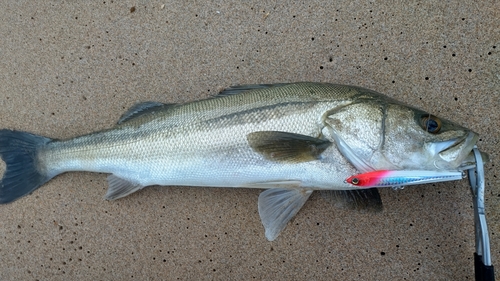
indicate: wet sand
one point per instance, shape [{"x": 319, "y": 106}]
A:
[{"x": 72, "y": 68}]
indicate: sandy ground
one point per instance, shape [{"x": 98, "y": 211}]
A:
[{"x": 71, "y": 68}]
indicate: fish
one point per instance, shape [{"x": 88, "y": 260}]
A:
[{"x": 290, "y": 139}]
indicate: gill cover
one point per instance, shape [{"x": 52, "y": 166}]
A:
[{"x": 358, "y": 131}]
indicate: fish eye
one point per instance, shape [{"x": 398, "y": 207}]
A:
[{"x": 431, "y": 124}]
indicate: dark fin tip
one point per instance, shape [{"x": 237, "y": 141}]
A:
[
  {"x": 21, "y": 177},
  {"x": 358, "y": 199}
]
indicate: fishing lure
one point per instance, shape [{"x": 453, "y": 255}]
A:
[{"x": 388, "y": 178}]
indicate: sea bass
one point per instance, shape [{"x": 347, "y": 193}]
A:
[{"x": 289, "y": 139}]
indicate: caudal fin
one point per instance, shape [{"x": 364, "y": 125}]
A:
[{"x": 19, "y": 152}]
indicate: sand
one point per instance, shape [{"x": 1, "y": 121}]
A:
[{"x": 72, "y": 68}]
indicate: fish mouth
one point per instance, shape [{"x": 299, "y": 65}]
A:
[
  {"x": 469, "y": 162},
  {"x": 456, "y": 150}
]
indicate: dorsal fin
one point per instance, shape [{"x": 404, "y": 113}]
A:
[
  {"x": 238, "y": 89},
  {"x": 140, "y": 109}
]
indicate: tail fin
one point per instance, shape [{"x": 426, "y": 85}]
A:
[{"x": 22, "y": 176}]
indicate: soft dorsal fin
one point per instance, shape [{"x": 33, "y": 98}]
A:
[
  {"x": 358, "y": 199},
  {"x": 277, "y": 206},
  {"x": 287, "y": 147},
  {"x": 238, "y": 89},
  {"x": 140, "y": 109}
]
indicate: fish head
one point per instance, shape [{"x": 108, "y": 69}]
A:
[{"x": 378, "y": 133}]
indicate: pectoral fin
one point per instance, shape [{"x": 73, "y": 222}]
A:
[
  {"x": 119, "y": 187},
  {"x": 287, "y": 147},
  {"x": 277, "y": 206}
]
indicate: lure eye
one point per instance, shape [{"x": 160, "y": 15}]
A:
[
  {"x": 431, "y": 124},
  {"x": 355, "y": 181}
]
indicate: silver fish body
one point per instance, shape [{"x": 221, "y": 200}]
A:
[
  {"x": 288, "y": 138},
  {"x": 205, "y": 143}
]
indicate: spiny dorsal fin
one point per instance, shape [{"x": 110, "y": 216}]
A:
[
  {"x": 358, "y": 199},
  {"x": 277, "y": 206},
  {"x": 140, "y": 109},
  {"x": 238, "y": 89},
  {"x": 287, "y": 147}
]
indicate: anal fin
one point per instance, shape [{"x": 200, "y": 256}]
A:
[
  {"x": 277, "y": 206},
  {"x": 119, "y": 187}
]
